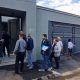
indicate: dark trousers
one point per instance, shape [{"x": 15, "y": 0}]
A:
[
  {"x": 7, "y": 47},
  {"x": 57, "y": 60},
  {"x": 51, "y": 57},
  {"x": 19, "y": 58}
]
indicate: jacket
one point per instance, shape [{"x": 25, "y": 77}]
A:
[
  {"x": 30, "y": 44},
  {"x": 45, "y": 43}
]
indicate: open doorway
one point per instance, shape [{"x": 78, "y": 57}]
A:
[{"x": 12, "y": 21}]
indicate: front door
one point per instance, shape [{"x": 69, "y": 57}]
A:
[{"x": 13, "y": 29}]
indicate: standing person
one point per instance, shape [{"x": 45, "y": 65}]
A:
[
  {"x": 52, "y": 52},
  {"x": 70, "y": 47},
  {"x": 57, "y": 52},
  {"x": 19, "y": 50},
  {"x": 60, "y": 43},
  {"x": 6, "y": 37},
  {"x": 30, "y": 46},
  {"x": 1, "y": 50},
  {"x": 45, "y": 52}
]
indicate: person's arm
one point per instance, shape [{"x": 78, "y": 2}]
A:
[
  {"x": 32, "y": 43},
  {"x": 16, "y": 46}
]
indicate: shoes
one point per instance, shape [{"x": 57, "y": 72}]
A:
[
  {"x": 16, "y": 72},
  {"x": 28, "y": 65},
  {"x": 31, "y": 67},
  {"x": 41, "y": 70},
  {"x": 56, "y": 67},
  {"x": 49, "y": 69}
]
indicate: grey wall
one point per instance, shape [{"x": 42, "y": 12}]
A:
[
  {"x": 45, "y": 15},
  {"x": 30, "y": 21}
]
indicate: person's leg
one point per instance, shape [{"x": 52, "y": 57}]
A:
[
  {"x": 50, "y": 58},
  {"x": 30, "y": 59},
  {"x": 17, "y": 64},
  {"x": 48, "y": 63},
  {"x": 7, "y": 47},
  {"x": 43, "y": 63},
  {"x": 57, "y": 59},
  {"x": 4, "y": 54},
  {"x": 22, "y": 63}
]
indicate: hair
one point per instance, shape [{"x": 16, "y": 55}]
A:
[
  {"x": 21, "y": 33},
  {"x": 45, "y": 35},
  {"x": 69, "y": 40},
  {"x": 59, "y": 38}
]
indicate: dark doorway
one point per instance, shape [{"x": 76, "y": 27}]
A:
[{"x": 13, "y": 22}]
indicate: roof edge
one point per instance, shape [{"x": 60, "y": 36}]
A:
[{"x": 57, "y": 11}]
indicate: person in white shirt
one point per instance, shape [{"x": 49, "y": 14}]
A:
[
  {"x": 57, "y": 53},
  {"x": 70, "y": 47},
  {"x": 60, "y": 43}
]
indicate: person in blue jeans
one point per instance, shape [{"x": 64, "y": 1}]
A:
[
  {"x": 30, "y": 46},
  {"x": 45, "y": 52}
]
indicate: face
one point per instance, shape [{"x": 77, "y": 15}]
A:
[
  {"x": 19, "y": 36},
  {"x": 59, "y": 38},
  {"x": 54, "y": 41},
  {"x": 29, "y": 37},
  {"x": 42, "y": 37}
]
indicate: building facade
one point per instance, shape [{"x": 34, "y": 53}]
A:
[{"x": 37, "y": 20}]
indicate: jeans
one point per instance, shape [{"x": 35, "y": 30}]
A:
[
  {"x": 45, "y": 62},
  {"x": 30, "y": 58}
]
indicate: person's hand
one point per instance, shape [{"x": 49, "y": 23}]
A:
[{"x": 2, "y": 40}]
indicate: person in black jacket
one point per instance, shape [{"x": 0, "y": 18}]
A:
[
  {"x": 45, "y": 52},
  {"x": 30, "y": 46},
  {"x": 6, "y": 37}
]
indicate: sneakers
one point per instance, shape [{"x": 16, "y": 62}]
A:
[
  {"x": 31, "y": 67},
  {"x": 28, "y": 65},
  {"x": 41, "y": 70},
  {"x": 49, "y": 69}
]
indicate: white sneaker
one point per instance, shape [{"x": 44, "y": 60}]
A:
[
  {"x": 28, "y": 65},
  {"x": 49, "y": 69},
  {"x": 31, "y": 67},
  {"x": 41, "y": 70}
]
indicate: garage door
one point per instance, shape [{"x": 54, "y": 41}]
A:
[{"x": 66, "y": 31}]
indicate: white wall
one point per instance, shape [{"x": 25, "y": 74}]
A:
[
  {"x": 44, "y": 15},
  {"x": 30, "y": 7}
]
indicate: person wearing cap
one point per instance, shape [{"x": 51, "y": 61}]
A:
[
  {"x": 30, "y": 46},
  {"x": 19, "y": 50}
]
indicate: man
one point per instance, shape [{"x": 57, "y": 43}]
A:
[
  {"x": 70, "y": 48},
  {"x": 19, "y": 50},
  {"x": 6, "y": 37},
  {"x": 30, "y": 46},
  {"x": 45, "y": 52}
]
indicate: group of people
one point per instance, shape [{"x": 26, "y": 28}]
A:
[
  {"x": 49, "y": 51},
  {"x": 53, "y": 51}
]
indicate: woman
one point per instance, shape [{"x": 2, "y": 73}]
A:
[
  {"x": 57, "y": 52},
  {"x": 19, "y": 50}
]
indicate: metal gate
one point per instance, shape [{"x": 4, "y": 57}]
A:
[{"x": 66, "y": 31}]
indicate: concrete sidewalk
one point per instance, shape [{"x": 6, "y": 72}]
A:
[{"x": 69, "y": 70}]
